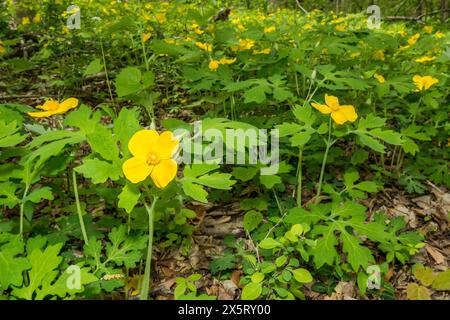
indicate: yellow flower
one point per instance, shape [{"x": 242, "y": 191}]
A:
[
  {"x": 25, "y": 20},
  {"x": 152, "y": 156},
  {"x": 424, "y": 83},
  {"x": 52, "y": 107},
  {"x": 244, "y": 44},
  {"x": 340, "y": 114},
  {"x": 227, "y": 61},
  {"x": 269, "y": 29},
  {"x": 428, "y": 29},
  {"x": 308, "y": 26},
  {"x": 213, "y": 65},
  {"x": 379, "y": 55},
  {"x": 204, "y": 46},
  {"x": 161, "y": 17},
  {"x": 340, "y": 28},
  {"x": 37, "y": 18},
  {"x": 338, "y": 20},
  {"x": 379, "y": 78},
  {"x": 263, "y": 51},
  {"x": 425, "y": 59},
  {"x": 198, "y": 31},
  {"x": 439, "y": 35},
  {"x": 146, "y": 36},
  {"x": 412, "y": 40},
  {"x": 355, "y": 54}
]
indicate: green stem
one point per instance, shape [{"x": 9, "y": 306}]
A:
[
  {"x": 144, "y": 53},
  {"x": 22, "y": 208},
  {"x": 80, "y": 214},
  {"x": 148, "y": 262},
  {"x": 106, "y": 75},
  {"x": 324, "y": 162},
  {"x": 299, "y": 177}
]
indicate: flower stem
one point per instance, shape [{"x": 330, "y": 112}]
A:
[
  {"x": 107, "y": 76},
  {"x": 77, "y": 200},
  {"x": 324, "y": 162},
  {"x": 299, "y": 177},
  {"x": 22, "y": 209},
  {"x": 148, "y": 261}
]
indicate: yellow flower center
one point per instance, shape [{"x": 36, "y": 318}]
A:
[
  {"x": 52, "y": 105},
  {"x": 153, "y": 159}
]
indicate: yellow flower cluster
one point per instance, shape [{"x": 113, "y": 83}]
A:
[{"x": 214, "y": 64}]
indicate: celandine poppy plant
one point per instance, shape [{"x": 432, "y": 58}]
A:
[{"x": 152, "y": 157}]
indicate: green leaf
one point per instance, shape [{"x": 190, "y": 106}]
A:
[
  {"x": 9, "y": 135},
  {"x": 83, "y": 118},
  {"x": 302, "y": 275},
  {"x": 226, "y": 262},
  {"x": 194, "y": 191},
  {"x": 257, "y": 277},
  {"x": 269, "y": 243},
  {"x": 256, "y": 94},
  {"x": 123, "y": 249},
  {"x": 409, "y": 146},
  {"x": 197, "y": 175},
  {"x": 8, "y": 194},
  {"x": 325, "y": 252},
  {"x": 60, "y": 288},
  {"x": 244, "y": 174},
  {"x": 103, "y": 142},
  {"x": 417, "y": 292},
  {"x": 269, "y": 180},
  {"x": 442, "y": 281},
  {"x": 125, "y": 126},
  {"x": 94, "y": 67},
  {"x": 368, "y": 186},
  {"x": 357, "y": 255},
  {"x": 371, "y": 121},
  {"x": 38, "y": 194},
  {"x": 425, "y": 275},
  {"x": 281, "y": 94},
  {"x": 128, "y": 81},
  {"x": 388, "y": 136},
  {"x": 43, "y": 265},
  {"x": 12, "y": 266},
  {"x": 99, "y": 171},
  {"x": 251, "y": 291},
  {"x": 129, "y": 197},
  {"x": 216, "y": 180},
  {"x": 252, "y": 219},
  {"x": 370, "y": 142}
]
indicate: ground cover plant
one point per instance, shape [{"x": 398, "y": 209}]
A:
[{"x": 224, "y": 150}]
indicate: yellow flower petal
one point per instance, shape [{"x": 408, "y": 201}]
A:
[
  {"x": 338, "y": 117},
  {"x": 322, "y": 108},
  {"x": 429, "y": 81},
  {"x": 349, "y": 113},
  {"x": 332, "y": 102},
  {"x": 42, "y": 114},
  {"x": 136, "y": 169},
  {"x": 143, "y": 142},
  {"x": 166, "y": 145},
  {"x": 49, "y": 105},
  {"x": 67, "y": 105},
  {"x": 164, "y": 172}
]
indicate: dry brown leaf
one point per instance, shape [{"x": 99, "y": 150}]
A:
[{"x": 435, "y": 254}]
